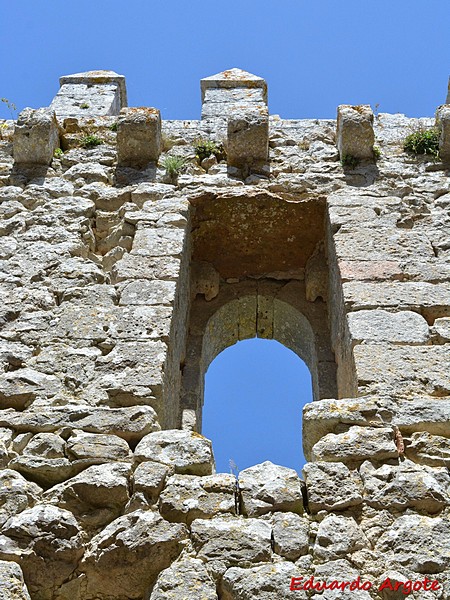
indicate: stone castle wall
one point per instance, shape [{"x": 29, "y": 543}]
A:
[{"x": 120, "y": 283}]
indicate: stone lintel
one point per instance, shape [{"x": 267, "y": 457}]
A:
[
  {"x": 138, "y": 136},
  {"x": 354, "y": 135},
  {"x": 36, "y": 135},
  {"x": 233, "y": 78},
  {"x": 443, "y": 124},
  {"x": 248, "y": 136}
]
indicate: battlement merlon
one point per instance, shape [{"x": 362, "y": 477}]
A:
[{"x": 93, "y": 93}]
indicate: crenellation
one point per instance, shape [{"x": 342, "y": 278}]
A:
[{"x": 119, "y": 286}]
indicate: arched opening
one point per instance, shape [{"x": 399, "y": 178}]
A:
[{"x": 254, "y": 394}]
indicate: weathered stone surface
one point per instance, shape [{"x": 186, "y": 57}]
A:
[
  {"x": 188, "y": 452},
  {"x": 47, "y": 542},
  {"x": 96, "y": 496},
  {"x": 19, "y": 388},
  {"x": 248, "y": 136},
  {"x": 158, "y": 242},
  {"x": 402, "y": 370},
  {"x": 290, "y": 535},
  {"x": 90, "y": 93},
  {"x": 97, "y": 448},
  {"x": 35, "y": 137},
  {"x": 185, "y": 579},
  {"x": 405, "y": 486},
  {"x": 416, "y": 414},
  {"x": 354, "y": 134},
  {"x": 16, "y": 494},
  {"x": 442, "y": 328},
  {"x": 124, "y": 560},
  {"x": 131, "y": 423},
  {"x": 427, "y": 449},
  {"x": 146, "y": 267},
  {"x": 12, "y": 584},
  {"x": 404, "y": 327},
  {"x": 148, "y": 292},
  {"x": 337, "y": 537},
  {"x": 45, "y": 471},
  {"x": 148, "y": 480},
  {"x": 268, "y": 487},
  {"x": 419, "y": 543},
  {"x": 443, "y": 123},
  {"x": 232, "y": 540},
  {"x": 265, "y": 582},
  {"x": 432, "y": 300},
  {"x": 357, "y": 444},
  {"x": 332, "y": 486},
  {"x": 138, "y": 136},
  {"x": 187, "y": 497}
]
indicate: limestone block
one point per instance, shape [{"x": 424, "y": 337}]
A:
[
  {"x": 204, "y": 280},
  {"x": 332, "y": 486},
  {"x": 46, "y": 471},
  {"x": 47, "y": 542},
  {"x": 130, "y": 423},
  {"x": 402, "y": 369},
  {"x": 354, "y": 132},
  {"x": 410, "y": 415},
  {"x": 403, "y": 327},
  {"x": 96, "y": 496},
  {"x": 442, "y": 328},
  {"x": 149, "y": 479},
  {"x": 268, "y": 487},
  {"x": 187, "y": 497},
  {"x": 138, "y": 137},
  {"x": 357, "y": 444},
  {"x": 96, "y": 448},
  {"x": 151, "y": 192},
  {"x": 248, "y": 137},
  {"x": 143, "y": 291},
  {"x": 187, "y": 578},
  {"x": 443, "y": 123},
  {"x": 16, "y": 494},
  {"x": 158, "y": 242},
  {"x": 188, "y": 452},
  {"x": 20, "y": 388},
  {"x": 431, "y": 300},
  {"x": 404, "y": 486},
  {"x": 232, "y": 540},
  {"x": 36, "y": 137},
  {"x": 146, "y": 267},
  {"x": 124, "y": 560},
  {"x": 89, "y": 171},
  {"x": 337, "y": 537},
  {"x": 265, "y": 582},
  {"x": 290, "y": 535},
  {"x": 419, "y": 543},
  {"x": 340, "y": 570},
  {"x": 427, "y": 449},
  {"x": 89, "y": 94},
  {"x": 12, "y": 584}
]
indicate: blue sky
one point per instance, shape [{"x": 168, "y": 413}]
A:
[{"x": 314, "y": 54}]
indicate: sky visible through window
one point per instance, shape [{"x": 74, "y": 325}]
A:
[{"x": 254, "y": 395}]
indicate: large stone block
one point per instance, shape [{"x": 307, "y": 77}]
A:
[
  {"x": 443, "y": 123},
  {"x": 248, "y": 136},
  {"x": 332, "y": 486},
  {"x": 36, "y": 137},
  {"x": 354, "y": 135},
  {"x": 268, "y": 487},
  {"x": 403, "y": 327},
  {"x": 138, "y": 137},
  {"x": 356, "y": 445}
]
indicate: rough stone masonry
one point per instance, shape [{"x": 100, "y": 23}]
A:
[{"x": 136, "y": 249}]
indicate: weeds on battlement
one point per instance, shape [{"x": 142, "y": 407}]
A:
[
  {"x": 204, "y": 148},
  {"x": 90, "y": 141},
  {"x": 423, "y": 141},
  {"x": 349, "y": 161},
  {"x": 174, "y": 165}
]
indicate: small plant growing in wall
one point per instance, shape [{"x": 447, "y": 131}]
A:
[
  {"x": 58, "y": 153},
  {"x": 423, "y": 141},
  {"x": 114, "y": 126},
  {"x": 90, "y": 141},
  {"x": 205, "y": 148},
  {"x": 349, "y": 161},
  {"x": 10, "y": 106},
  {"x": 376, "y": 153},
  {"x": 174, "y": 165},
  {"x": 84, "y": 105}
]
